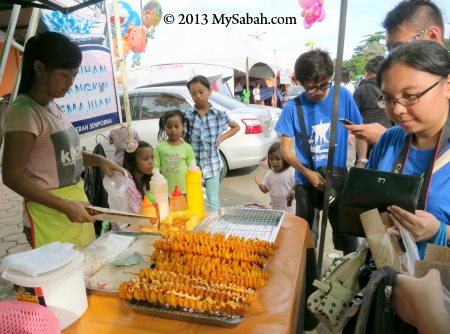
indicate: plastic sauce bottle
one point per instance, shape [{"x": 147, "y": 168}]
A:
[
  {"x": 159, "y": 189},
  {"x": 149, "y": 208},
  {"x": 194, "y": 192},
  {"x": 177, "y": 201}
]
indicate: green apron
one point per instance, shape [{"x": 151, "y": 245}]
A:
[{"x": 49, "y": 225}]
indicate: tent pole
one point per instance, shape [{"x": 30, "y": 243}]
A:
[
  {"x": 122, "y": 68},
  {"x": 247, "y": 78},
  {"x": 32, "y": 27},
  {"x": 8, "y": 39},
  {"x": 331, "y": 148}
]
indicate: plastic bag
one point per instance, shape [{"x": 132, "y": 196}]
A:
[
  {"x": 388, "y": 253},
  {"x": 411, "y": 254},
  {"x": 116, "y": 186}
]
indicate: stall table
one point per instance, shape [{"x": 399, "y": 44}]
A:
[{"x": 276, "y": 308}]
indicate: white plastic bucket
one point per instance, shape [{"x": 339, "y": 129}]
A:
[{"x": 61, "y": 290}]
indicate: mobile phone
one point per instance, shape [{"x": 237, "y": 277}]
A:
[{"x": 346, "y": 121}]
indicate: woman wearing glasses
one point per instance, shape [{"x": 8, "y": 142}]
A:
[{"x": 415, "y": 85}]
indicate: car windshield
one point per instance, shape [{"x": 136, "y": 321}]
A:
[
  {"x": 226, "y": 101},
  {"x": 295, "y": 90}
]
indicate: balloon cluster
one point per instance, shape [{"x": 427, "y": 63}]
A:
[
  {"x": 137, "y": 29},
  {"x": 313, "y": 11}
]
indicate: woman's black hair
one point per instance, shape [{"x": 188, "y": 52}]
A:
[
  {"x": 129, "y": 163},
  {"x": 374, "y": 64},
  {"x": 315, "y": 65},
  {"x": 169, "y": 114},
  {"x": 346, "y": 75},
  {"x": 199, "y": 79},
  {"x": 423, "y": 55},
  {"x": 274, "y": 148},
  {"x": 54, "y": 50}
]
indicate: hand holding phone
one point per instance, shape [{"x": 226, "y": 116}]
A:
[{"x": 346, "y": 121}]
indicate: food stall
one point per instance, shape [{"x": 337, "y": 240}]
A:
[{"x": 276, "y": 308}]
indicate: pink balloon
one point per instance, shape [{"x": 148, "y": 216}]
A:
[
  {"x": 306, "y": 3},
  {"x": 313, "y": 12}
]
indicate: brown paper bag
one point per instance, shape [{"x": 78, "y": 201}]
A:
[
  {"x": 436, "y": 257},
  {"x": 384, "y": 247}
]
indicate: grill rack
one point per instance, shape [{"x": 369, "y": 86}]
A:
[{"x": 246, "y": 222}]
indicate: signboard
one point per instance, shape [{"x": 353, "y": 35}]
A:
[
  {"x": 92, "y": 97},
  {"x": 91, "y": 103}
]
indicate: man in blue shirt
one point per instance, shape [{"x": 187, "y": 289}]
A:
[{"x": 314, "y": 70}]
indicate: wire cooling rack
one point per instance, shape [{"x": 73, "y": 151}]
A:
[{"x": 244, "y": 222}]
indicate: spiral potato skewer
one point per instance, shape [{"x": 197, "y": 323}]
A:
[{"x": 233, "y": 243}]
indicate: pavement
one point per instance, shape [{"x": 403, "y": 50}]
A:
[{"x": 12, "y": 240}]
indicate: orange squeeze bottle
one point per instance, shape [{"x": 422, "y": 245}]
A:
[{"x": 149, "y": 208}]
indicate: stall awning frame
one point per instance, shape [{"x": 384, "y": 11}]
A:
[{"x": 64, "y": 6}]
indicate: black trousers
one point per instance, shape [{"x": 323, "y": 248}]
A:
[{"x": 306, "y": 210}]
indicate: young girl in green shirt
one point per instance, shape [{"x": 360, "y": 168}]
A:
[{"x": 173, "y": 155}]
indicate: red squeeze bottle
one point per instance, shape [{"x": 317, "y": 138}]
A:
[{"x": 177, "y": 201}]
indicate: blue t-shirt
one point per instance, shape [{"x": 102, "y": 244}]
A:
[
  {"x": 383, "y": 157},
  {"x": 317, "y": 117}
]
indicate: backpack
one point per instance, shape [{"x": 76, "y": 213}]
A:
[
  {"x": 332, "y": 303},
  {"x": 93, "y": 187},
  {"x": 375, "y": 314}
]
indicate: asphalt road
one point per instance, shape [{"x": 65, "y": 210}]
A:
[{"x": 238, "y": 187}]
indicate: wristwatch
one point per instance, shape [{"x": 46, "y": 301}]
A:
[{"x": 364, "y": 161}]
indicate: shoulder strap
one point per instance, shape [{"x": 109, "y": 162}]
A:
[
  {"x": 441, "y": 161},
  {"x": 301, "y": 120}
]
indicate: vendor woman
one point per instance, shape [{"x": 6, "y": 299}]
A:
[{"x": 42, "y": 159}]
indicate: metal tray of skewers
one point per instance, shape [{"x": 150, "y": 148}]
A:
[
  {"x": 246, "y": 222},
  {"x": 184, "y": 314}
]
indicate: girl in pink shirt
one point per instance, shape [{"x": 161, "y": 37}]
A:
[
  {"x": 139, "y": 165},
  {"x": 279, "y": 181}
]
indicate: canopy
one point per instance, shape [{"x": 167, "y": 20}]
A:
[
  {"x": 207, "y": 45},
  {"x": 64, "y": 6}
]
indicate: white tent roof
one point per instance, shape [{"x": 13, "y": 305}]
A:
[{"x": 207, "y": 45}]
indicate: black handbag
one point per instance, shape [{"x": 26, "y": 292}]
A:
[
  {"x": 338, "y": 175},
  {"x": 367, "y": 189}
]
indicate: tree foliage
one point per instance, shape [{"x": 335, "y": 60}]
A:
[{"x": 369, "y": 47}]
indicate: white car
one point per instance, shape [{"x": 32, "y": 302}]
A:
[{"x": 247, "y": 148}]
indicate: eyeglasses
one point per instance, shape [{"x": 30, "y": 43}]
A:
[
  {"x": 404, "y": 100},
  {"x": 313, "y": 89},
  {"x": 416, "y": 36}
]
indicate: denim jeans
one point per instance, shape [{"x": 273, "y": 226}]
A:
[{"x": 212, "y": 192}]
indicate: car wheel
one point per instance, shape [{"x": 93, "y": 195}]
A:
[{"x": 224, "y": 170}]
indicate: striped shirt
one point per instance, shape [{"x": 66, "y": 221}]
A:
[{"x": 205, "y": 131}]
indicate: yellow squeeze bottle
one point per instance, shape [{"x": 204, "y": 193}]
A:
[
  {"x": 194, "y": 192},
  {"x": 149, "y": 208}
]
